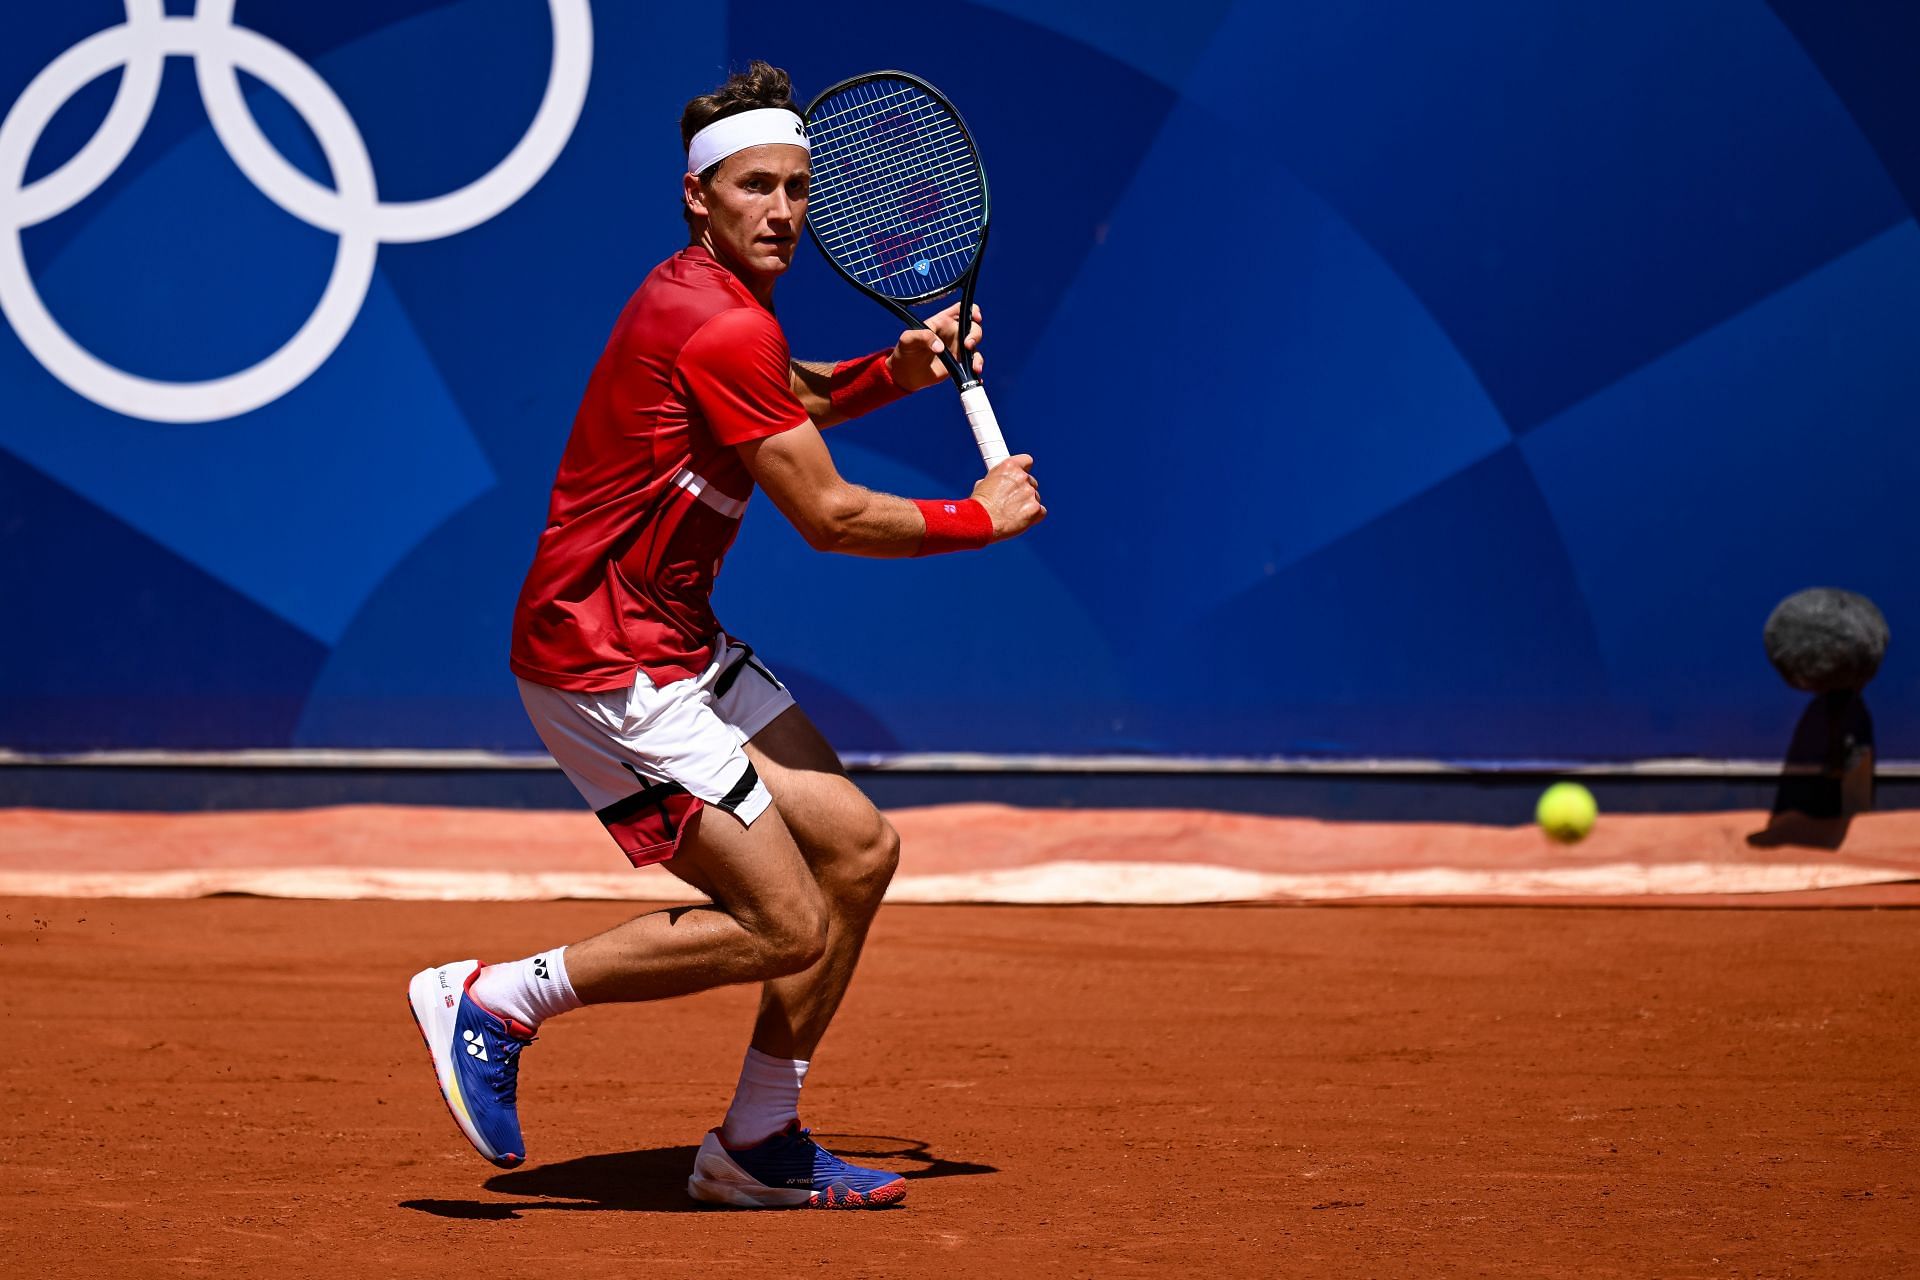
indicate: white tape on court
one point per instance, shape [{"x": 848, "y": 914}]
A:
[{"x": 1064, "y": 882}]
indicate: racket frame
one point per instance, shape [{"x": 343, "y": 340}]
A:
[{"x": 959, "y": 368}]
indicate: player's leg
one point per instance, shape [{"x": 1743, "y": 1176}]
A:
[
  {"x": 760, "y": 1156},
  {"x": 852, "y": 851},
  {"x": 629, "y": 755},
  {"x": 850, "y": 848},
  {"x": 768, "y": 917},
  {"x": 773, "y": 922}
]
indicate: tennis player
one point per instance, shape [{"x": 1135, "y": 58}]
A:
[{"x": 685, "y": 744}]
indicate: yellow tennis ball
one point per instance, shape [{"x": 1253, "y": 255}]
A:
[{"x": 1566, "y": 812}]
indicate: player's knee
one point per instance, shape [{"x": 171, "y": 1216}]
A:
[
  {"x": 865, "y": 863},
  {"x": 796, "y": 948},
  {"x": 882, "y": 859},
  {"x": 798, "y": 938}
]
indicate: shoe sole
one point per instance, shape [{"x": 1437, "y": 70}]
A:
[
  {"x": 434, "y": 1018},
  {"x": 718, "y": 1181}
]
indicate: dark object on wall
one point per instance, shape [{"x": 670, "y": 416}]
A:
[
  {"x": 1824, "y": 640},
  {"x": 1829, "y": 643}
]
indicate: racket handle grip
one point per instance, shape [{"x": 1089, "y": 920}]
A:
[{"x": 986, "y": 427}]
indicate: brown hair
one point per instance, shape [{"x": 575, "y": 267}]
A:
[{"x": 760, "y": 85}]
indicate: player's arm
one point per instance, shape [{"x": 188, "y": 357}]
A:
[
  {"x": 833, "y": 393},
  {"x": 813, "y": 388},
  {"x": 832, "y": 514}
]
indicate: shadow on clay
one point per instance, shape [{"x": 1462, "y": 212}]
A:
[{"x": 655, "y": 1180}]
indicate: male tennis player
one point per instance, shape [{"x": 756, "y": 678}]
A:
[{"x": 688, "y": 748}]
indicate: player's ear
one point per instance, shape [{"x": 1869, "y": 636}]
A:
[{"x": 696, "y": 195}]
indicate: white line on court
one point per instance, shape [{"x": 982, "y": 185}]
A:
[{"x": 1063, "y": 882}]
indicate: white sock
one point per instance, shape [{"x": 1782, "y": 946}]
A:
[
  {"x": 767, "y": 1099},
  {"x": 530, "y": 990}
]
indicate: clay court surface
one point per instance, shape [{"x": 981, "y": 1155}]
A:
[{"x": 232, "y": 1087}]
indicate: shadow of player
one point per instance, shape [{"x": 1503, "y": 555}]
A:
[{"x": 655, "y": 1180}]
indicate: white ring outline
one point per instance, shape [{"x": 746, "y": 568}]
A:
[
  {"x": 410, "y": 222},
  {"x": 316, "y": 340},
  {"x": 353, "y": 211},
  {"x": 110, "y": 145}
]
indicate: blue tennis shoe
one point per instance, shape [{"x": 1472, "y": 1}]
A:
[
  {"x": 787, "y": 1171},
  {"x": 476, "y": 1057}
]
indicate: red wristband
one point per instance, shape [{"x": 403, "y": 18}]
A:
[
  {"x": 862, "y": 385},
  {"x": 961, "y": 525}
]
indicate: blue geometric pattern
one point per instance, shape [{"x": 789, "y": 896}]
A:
[{"x": 1453, "y": 381}]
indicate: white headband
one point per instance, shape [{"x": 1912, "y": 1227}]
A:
[{"x": 736, "y": 133}]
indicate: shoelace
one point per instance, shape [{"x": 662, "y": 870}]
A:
[
  {"x": 804, "y": 1140},
  {"x": 506, "y": 1075},
  {"x": 808, "y": 1155}
]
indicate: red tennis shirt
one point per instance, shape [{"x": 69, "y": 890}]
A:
[{"x": 650, "y": 491}]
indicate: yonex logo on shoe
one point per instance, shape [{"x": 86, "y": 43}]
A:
[{"x": 475, "y": 1048}]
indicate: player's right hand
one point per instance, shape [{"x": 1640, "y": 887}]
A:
[{"x": 1011, "y": 496}]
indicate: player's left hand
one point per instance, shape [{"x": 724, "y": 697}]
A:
[{"x": 915, "y": 362}]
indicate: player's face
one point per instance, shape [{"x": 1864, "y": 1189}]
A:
[{"x": 755, "y": 206}]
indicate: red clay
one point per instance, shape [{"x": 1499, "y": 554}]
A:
[{"x": 231, "y": 1087}]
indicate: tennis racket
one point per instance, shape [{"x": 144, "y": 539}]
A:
[{"x": 899, "y": 207}]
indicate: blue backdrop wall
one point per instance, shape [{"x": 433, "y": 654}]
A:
[{"x": 1461, "y": 381}]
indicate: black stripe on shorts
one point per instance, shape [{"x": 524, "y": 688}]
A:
[
  {"x": 645, "y": 798},
  {"x": 741, "y": 789},
  {"x": 732, "y": 673}
]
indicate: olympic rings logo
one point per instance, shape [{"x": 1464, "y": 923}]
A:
[{"x": 351, "y": 210}]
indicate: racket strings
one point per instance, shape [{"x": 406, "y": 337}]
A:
[
  {"x": 869, "y": 125},
  {"x": 863, "y": 229},
  {"x": 889, "y": 136},
  {"x": 898, "y": 199},
  {"x": 956, "y": 184},
  {"x": 951, "y": 153},
  {"x": 859, "y": 166},
  {"x": 829, "y": 126},
  {"x": 887, "y": 257},
  {"x": 856, "y": 205},
  {"x": 862, "y": 244},
  {"x": 955, "y": 156},
  {"x": 956, "y": 207},
  {"x": 920, "y": 249},
  {"x": 850, "y": 126}
]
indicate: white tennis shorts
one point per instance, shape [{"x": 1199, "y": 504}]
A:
[{"x": 646, "y": 758}]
